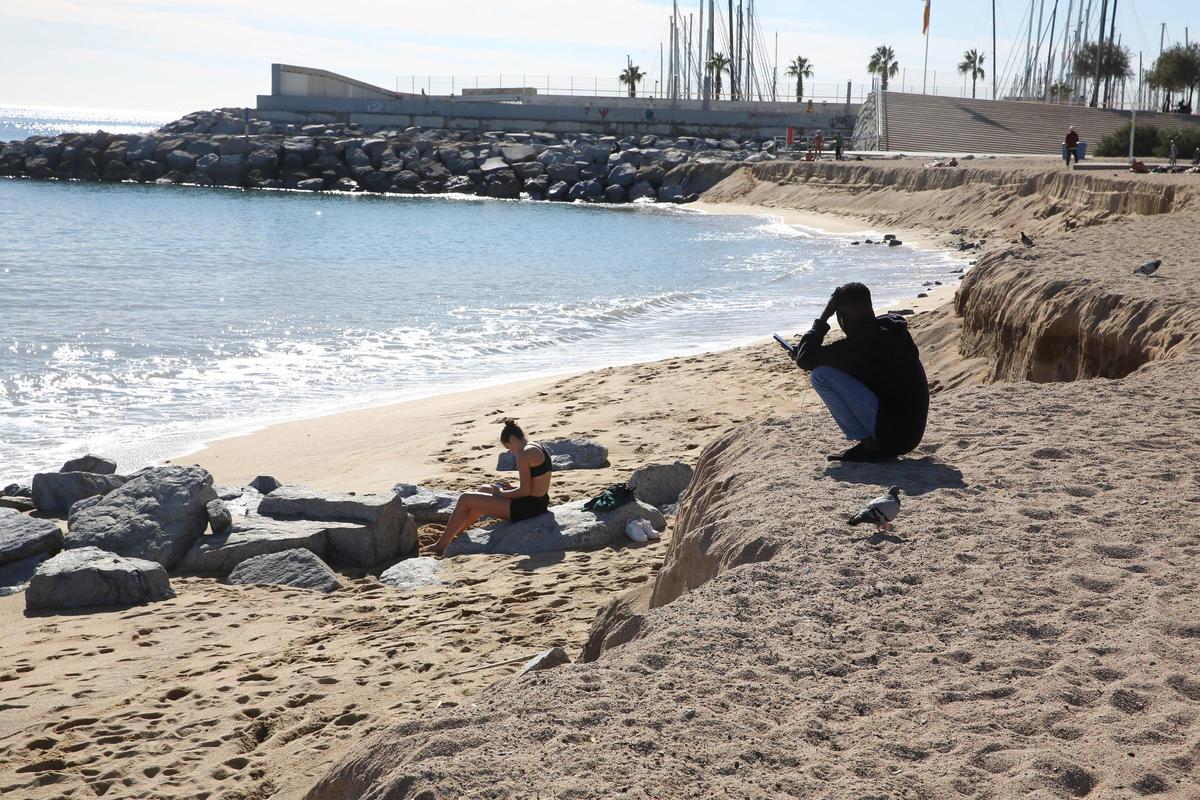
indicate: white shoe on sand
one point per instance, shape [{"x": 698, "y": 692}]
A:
[
  {"x": 633, "y": 530},
  {"x": 648, "y": 529}
]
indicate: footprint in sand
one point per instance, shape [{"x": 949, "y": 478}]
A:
[
  {"x": 353, "y": 718},
  {"x": 256, "y": 676}
]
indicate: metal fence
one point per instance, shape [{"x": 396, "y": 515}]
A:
[
  {"x": 653, "y": 86},
  {"x": 946, "y": 83}
]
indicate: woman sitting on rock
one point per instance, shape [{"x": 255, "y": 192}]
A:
[{"x": 530, "y": 498}]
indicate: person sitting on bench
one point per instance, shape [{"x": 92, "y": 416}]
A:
[{"x": 872, "y": 381}]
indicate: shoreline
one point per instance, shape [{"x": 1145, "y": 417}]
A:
[
  {"x": 828, "y": 223},
  {"x": 1025, "y": 628},
  {"x": 421, "y": 426}
]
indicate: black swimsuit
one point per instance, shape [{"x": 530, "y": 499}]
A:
[{"x": 520, "y": 508}]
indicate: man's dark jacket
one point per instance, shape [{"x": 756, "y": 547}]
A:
[{"x": 883, "y": 356}]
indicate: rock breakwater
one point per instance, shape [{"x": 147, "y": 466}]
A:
[{"x": 220, "y": 148}]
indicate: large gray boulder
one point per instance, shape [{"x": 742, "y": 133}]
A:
[
  {"x": 220, "y": 519},
  {"x": 660, "y": 484},
  {"x": 91, "y": 463},
  {"x": 218, "y": 554},
  {"x": 426, "y": 505},
  {"x": 158, "y": 515},
  {"x": 17, "y": 490},
  {"x": 88, "y": 576},
  {"x": 180, "y": 160},
  {"x": 17, "y": 503},
  {"x": 301, "y": 502},
  {"x": 623, "y": 175},
  {"x": 301, "y": 569},
  {"x": 565, "y": 454},
  {"x": 563, "y": 172},
  {"x": 615, "y": 194},
  {"x": 22, "y": 537},
  {"x": 589, "y": 190},
  {"x": 518, "y": 153},
  {"x": 642, "y": 190},
  {"x": 79, "y": 506},
  {"x": 226, "y": 170},
  {"x": 387, "y": 531},
  {"x": 265, "y": 484},
  {"x": 343, "y": 543},
  {"x": 56, "y": 492},
  {"x": 565, "y": 527},
  {"x": 15, "y": 575},
  {"x": 493, "y": 165},
  {"x": 413, "y": 573}
]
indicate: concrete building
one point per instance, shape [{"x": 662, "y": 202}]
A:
[{"x": 303, "y": 95}]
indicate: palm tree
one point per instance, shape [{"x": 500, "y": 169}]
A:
[
  {"x": 1113, "y": 64},
  {"x": 972, "y": 63},
  {"x": 1060, "y": 92},
  {"x": 630, "y": 77},
  {"x": 800, "y": 69},
  {"x": 1177, "y": 69},
  {"x": 883, "y": 63},
  {"x": 717, "y": 65}
]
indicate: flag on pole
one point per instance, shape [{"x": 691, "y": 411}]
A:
[{"x": 925, "y": 27}]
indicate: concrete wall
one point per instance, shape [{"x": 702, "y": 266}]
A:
[
  {"x": 302, "y": 95},
  {"x": 288, "y": 80}
]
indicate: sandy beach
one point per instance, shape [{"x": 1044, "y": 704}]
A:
[{"x": 1027, "y": 635}]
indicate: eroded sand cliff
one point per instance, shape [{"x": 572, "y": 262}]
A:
[{"x": 1029, "y": 629}]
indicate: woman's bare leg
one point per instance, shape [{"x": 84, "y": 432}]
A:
[{"x": 470, "y": 507}]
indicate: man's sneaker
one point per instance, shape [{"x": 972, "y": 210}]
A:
[
  {"x": 648, "y": 529},
  {"x": 634, "y": 530}
]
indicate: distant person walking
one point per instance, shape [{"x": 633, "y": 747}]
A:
[
  {"x": 819, "y": 144},
  {"x": 1072, "y": 146},
  {"x": 1173, "y": 151},
  {"x": 837, "y": 146}
]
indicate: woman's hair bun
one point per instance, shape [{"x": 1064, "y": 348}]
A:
[{"x": 510, "y": 429}]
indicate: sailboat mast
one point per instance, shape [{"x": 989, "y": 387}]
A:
[
  {"x": 1050, "y": 51},
  {"x": 741, "y": 52},
  {"x": 993, "y": 49},
  {"x": 732, "y": 53},
  {"x": 750, "y": 48},
  {"x": 1099, "y": 54},
  {"x": 1028, "y": 50}
]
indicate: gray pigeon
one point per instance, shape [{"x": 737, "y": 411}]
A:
[
  {"x": 881, "y": 511},
  {"x": 1149, "y": 267},
  {"x": 1025, "y": 240}
]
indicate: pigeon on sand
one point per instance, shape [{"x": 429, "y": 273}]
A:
[
  {"x": 881, "y": 511},
  {"x": 1025, "y": 240},
  {"x": 1149, "y": 267}
]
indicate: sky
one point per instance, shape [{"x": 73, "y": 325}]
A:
[{"x": 183, "y": 56}]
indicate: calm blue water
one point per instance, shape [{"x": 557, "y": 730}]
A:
[
  {"x": 21, "y": 122},
  {"x": 139, "y": 321}
]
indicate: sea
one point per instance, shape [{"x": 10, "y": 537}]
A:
[{"x": 139, "y": 322}]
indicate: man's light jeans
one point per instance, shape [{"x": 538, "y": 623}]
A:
[{"x": 853, "y": 406}]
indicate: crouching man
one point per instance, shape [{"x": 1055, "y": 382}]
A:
[{"x": 872, "y": 381}]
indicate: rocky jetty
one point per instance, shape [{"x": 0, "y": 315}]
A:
[{"x": 219, "y": 148}]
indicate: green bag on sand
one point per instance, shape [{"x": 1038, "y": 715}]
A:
[{"x": 611, "y": 498}]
